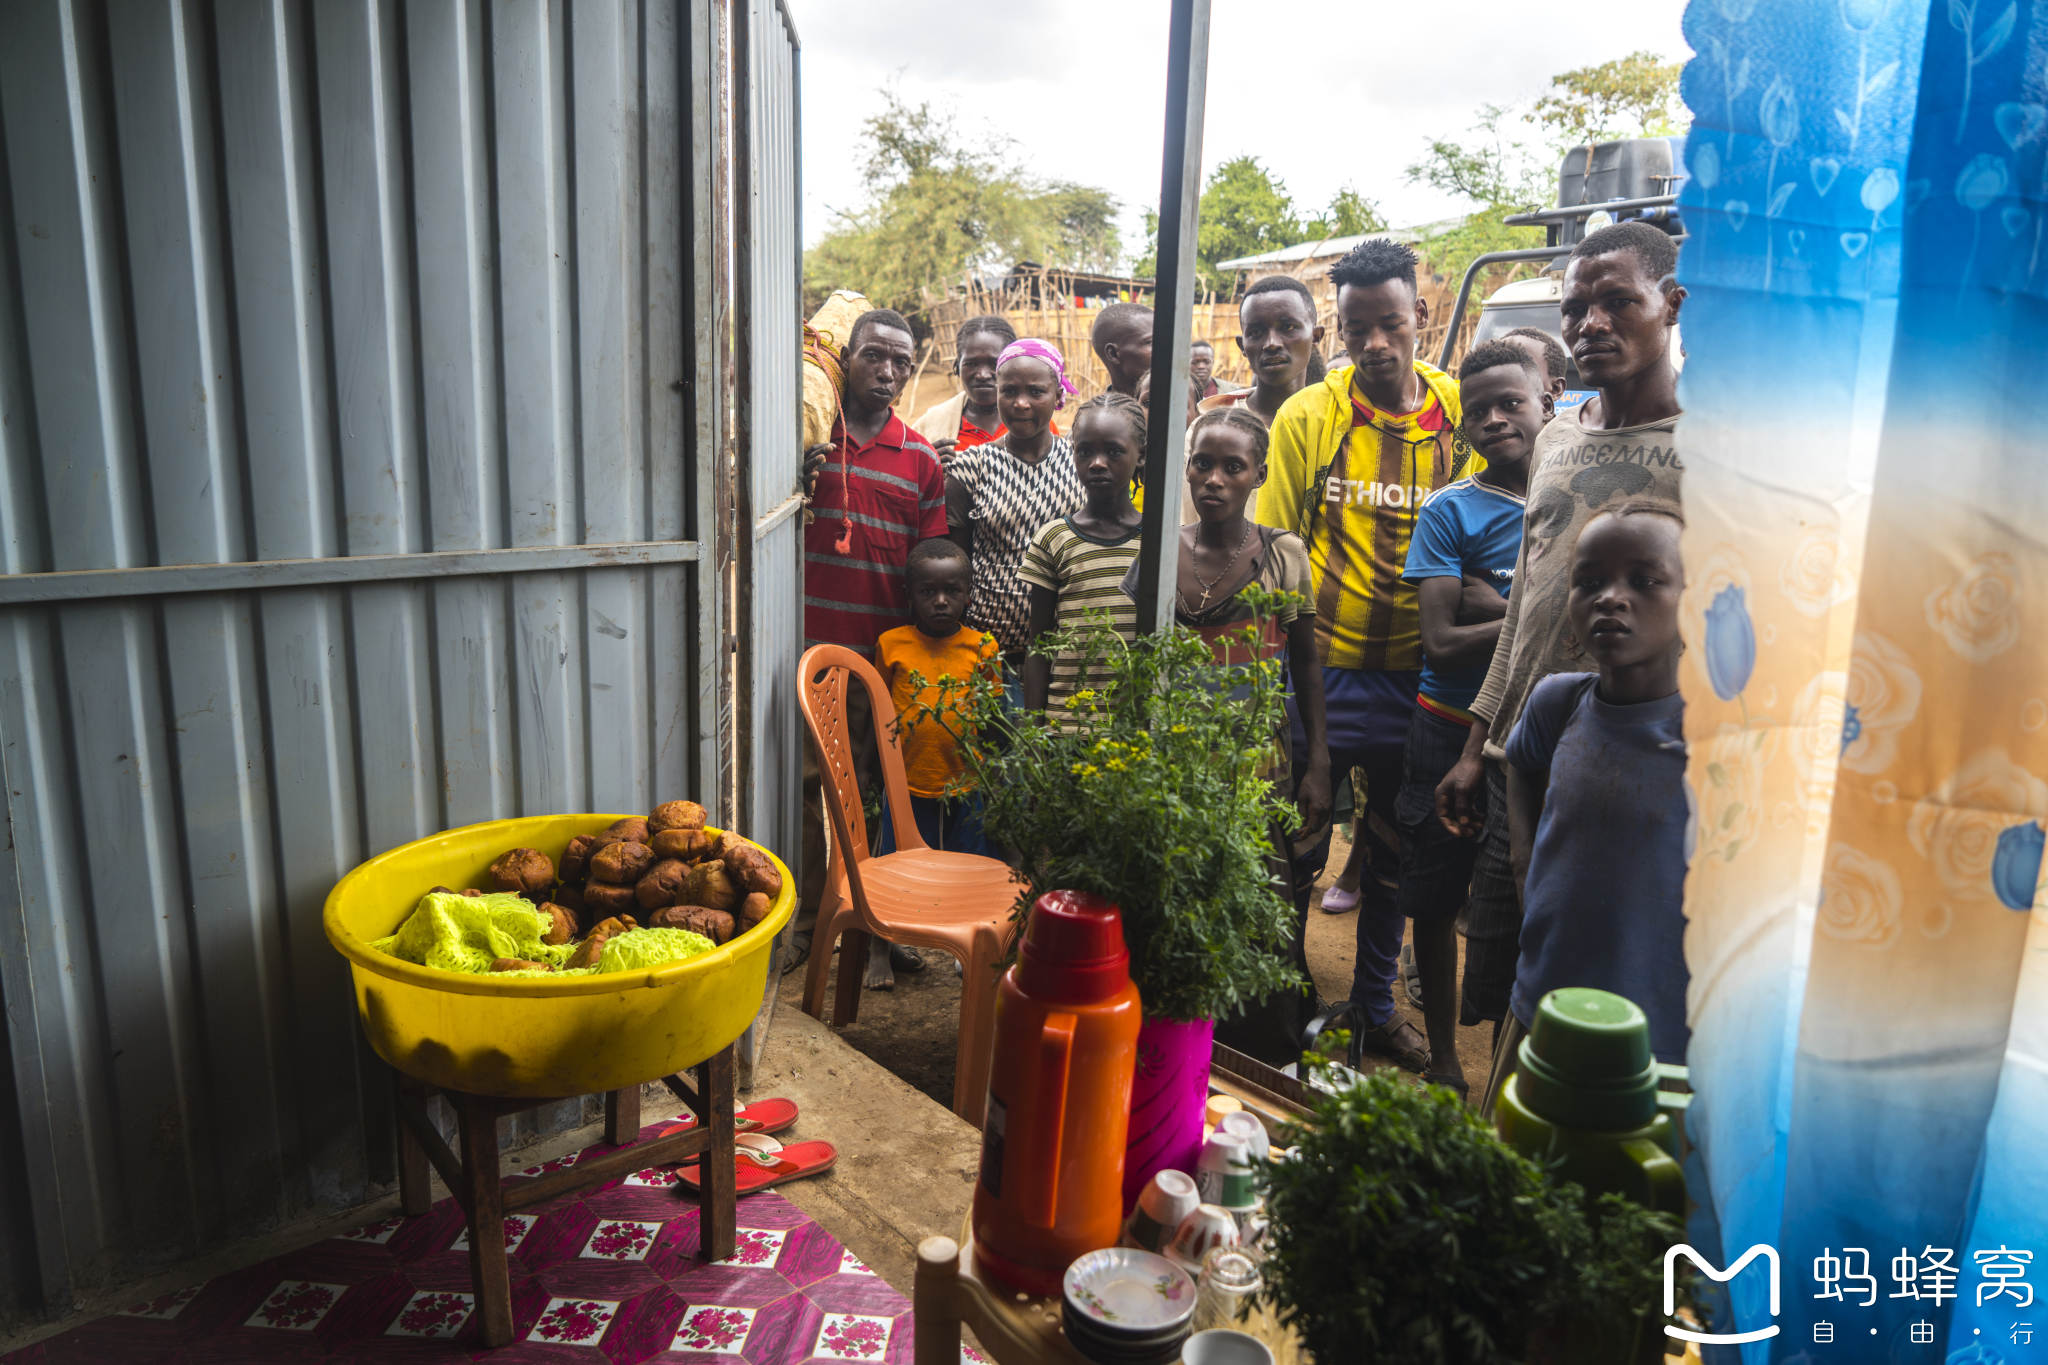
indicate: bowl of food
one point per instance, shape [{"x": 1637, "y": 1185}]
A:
[{"x": 549, "y": 1028}]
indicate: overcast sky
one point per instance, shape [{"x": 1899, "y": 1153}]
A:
[{"x": 1324, "y": 92}]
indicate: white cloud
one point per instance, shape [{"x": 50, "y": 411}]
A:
[{"x": 1324, "y": 92}]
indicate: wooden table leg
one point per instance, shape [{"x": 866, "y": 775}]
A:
[
  {"x": 478, "y": 1126},
  {"x": 622, "y": 1116},
  {"x": 415, "y": 1192},
  {"x": 718, "y": 1219},
  {"x": 935, "y": 1299}
]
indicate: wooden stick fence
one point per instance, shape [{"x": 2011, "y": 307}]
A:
[{"x": 1050, "y": 305}]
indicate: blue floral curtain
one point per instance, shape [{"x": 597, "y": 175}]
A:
[{"x": 1867, "y": 690}]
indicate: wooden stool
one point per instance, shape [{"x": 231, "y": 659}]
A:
[{"x": 473, "y": 1179}]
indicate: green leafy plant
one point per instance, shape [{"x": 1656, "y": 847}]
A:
[
  {"x": 1405, "y": 1233},
  {"x": 1150, "y": 791}
]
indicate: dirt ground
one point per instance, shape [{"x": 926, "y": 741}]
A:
[{"x": 913, "y": 1029}]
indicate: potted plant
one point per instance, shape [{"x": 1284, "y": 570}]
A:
[
  {"x": 1151, "y": 791},
  {"x": 1405, "y": 1233}
]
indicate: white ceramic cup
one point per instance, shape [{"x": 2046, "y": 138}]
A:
[
  {"x": 1222, "y": 1346},
  {"x": 1223, "y": 1170},
  {"x": 1201, "y": 1232},
  {"x": 1245, "y": 1125},
  {"x": 1168, "y": 1197}
]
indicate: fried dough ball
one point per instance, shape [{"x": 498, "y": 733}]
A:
[
  {"x": 605, "y": 898},
  {"x": 686, "y": 844},
  {"x": 561, "y": 924},
  {"x": 676, "y": 815},
  {"x": 662, "y": 885},
  {"x": 749, "y": 867},
  {"x": 576, "y": 858},
  {"x": 710, "y": 886},
  {"x": 631, "y": 830},
  {"x": 518, "y": 964},
  {"x": 527, "y": 871},
  {"x": 621, "y": 864},
  {"x": 715, "y": 925},
  {"x": 754, "y": 909}
]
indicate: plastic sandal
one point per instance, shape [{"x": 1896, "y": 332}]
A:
[
  {"x": 762, "y": 1116},
  {"x": 1338, "y": 901},
  {"x": 1411, "y": 975},
  {"x": 760, "y": 1161},
  {"x": 1397, "y": 1040}
]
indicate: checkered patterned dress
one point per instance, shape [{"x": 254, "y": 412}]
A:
[{"x": 1008, "y": 501}]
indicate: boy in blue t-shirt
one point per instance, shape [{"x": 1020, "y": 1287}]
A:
[
  {"x": 1596, "y": 790},
  {"x": 1461, "y": 558}
]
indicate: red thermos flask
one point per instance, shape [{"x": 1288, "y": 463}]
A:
[{"x": 1059, "y": 1096}]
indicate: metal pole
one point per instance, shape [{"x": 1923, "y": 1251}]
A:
[
  {"x": 1173, "y": 296},
  {"x": 1457, "y": 317}
]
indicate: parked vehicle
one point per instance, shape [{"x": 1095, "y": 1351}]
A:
[{"x": 1602, "y": 183}]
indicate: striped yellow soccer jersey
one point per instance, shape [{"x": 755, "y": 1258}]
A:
[{"x": 1350, "y": 480}]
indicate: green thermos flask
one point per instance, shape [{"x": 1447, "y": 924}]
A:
[{"x": 1583, "y": 1101}]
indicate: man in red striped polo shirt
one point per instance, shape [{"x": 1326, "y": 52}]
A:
[{"x": 879, "y": 493}]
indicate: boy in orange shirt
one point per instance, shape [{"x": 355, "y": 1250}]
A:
[{"x": 938, "y": 644}]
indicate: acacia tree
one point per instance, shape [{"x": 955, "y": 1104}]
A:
[
  {"x": 1246, "y": 211},
  {"x": 1632, "y": 96},
  {"x": 940, "y": 204},
  {"x": 1498, "y": 173}
]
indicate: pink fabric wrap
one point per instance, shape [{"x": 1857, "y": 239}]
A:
[{"x": 1035, "y": 349}]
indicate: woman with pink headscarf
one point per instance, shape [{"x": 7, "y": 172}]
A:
[{"x": 998, "y": 494}]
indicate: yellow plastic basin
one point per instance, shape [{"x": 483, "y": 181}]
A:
[{"x": 532, "y": 1037}]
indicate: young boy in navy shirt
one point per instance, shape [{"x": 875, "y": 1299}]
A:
[
  {"x": 1462, "y": 560},
  {"x": 1596, "y": 790}
]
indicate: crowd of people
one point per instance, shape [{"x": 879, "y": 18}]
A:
[{"x": 1484, "y": 640}]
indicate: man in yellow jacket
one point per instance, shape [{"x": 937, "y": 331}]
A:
[{"x": 1352, "y": 460}]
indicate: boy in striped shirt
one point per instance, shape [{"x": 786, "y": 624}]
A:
[{"x": 1352, "y": 460}]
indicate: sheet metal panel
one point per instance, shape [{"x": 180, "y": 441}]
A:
[
  {"x": 297, "y": 282},
  {"x": 770, "y": 525}
]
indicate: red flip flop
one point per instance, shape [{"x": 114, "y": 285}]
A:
[
  {"x": 761, "y": 1161},
  {"x": 762, "y": 1116}
]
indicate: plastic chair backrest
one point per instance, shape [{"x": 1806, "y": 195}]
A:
[{"x": 824, "y": 674}]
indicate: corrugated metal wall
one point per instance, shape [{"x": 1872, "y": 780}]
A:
[
  {"x": 350, "y": 466},
  {"x": 768, "y": 260}
]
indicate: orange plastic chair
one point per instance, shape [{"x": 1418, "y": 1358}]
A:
[{"x": 958, "y": 903}]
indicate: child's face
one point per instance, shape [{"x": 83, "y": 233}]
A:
[
  {"x": 1504, "y": 409},
  {"x": 940, "y": 590},
  {"x": 1626, "y": 579},
  {"x": 1027, "y": 392},
  {"x": 1223, "y": 469},
  {"x": 1279, "y": 332},
  {"x": 1106, "y": 454},
  {"x": 977, "y": 364}
]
